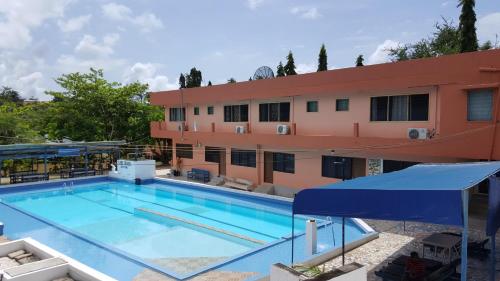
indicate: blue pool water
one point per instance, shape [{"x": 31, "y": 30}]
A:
[{"x": 179, "y": 229}]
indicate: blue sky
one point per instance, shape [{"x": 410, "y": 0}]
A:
[{"x": 153, "y": 41}]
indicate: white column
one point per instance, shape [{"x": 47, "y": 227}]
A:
[{"x": 311, "y": 238}]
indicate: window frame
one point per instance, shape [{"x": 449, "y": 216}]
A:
[
  {"x": 196, "y": 110},
  {"x": 177, "y": 114},
  {"x": 274, "y": 111},
  {"x": 244, "y": 158},
  {"x": 213, "y": 154},
  {"x": 491, "y": 92},
  {"x": 337, "y": 104},
  {"x": 388, "y": 108},
  {"x": 185, "y": 149},
  {"x": 210, "y": 110},
  {"x": 284, "y": 162},
  {"x": 310, "y": 102},
  {"x": 236, "y": 113}
]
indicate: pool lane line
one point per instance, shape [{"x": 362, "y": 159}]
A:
[
  {"x": 197, "y": 224},
  {"x": 193, "y": 214}
]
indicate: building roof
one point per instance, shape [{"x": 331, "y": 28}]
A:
[{"x": 418, "y": 73}]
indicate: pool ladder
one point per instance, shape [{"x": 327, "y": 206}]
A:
[
  {"x": 68, "y": 189},
  {"x": 330, "y": 220}
]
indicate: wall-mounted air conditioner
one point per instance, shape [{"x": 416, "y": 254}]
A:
[
  {"x": 240, "y": 129},
  {"x": 418, "y": 133},
  {"x": 282, "y": 129}
]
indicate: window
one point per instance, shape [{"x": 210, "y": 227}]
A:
[
  {"x": 184, "y": 150},
  {"x": 246, "y": 158},
  {"x": 342, "y": 105},
  {"x": 213, "y": 154},
  {"x": 177, "y": 114},
  {"x": 274, "y": 112},
  {"x": 392, "y": 165},
  {"x": 312, "y": 106},
  {"x": 336, "y": 167},
  {"x": 210, "y": 110},
  {"x": 196, "y": 110},
  {"x": 284, "y": 162},
  {"x": 480, "y": 105},
  {"x": 236, "y": 113},
  {"x": 400, "y": 108}
]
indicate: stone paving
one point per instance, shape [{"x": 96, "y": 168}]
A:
[{"x": 394, "y": 240}]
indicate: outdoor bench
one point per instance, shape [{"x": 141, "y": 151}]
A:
[{"x": 199, "y": 174}]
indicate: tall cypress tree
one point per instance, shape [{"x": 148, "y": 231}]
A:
[
  {"x": 182, "y": 81},
  {"x": 280, "y": 70},
  {"x": 322, "y": 59},
  {"x": 360, "y": 61},
  {"x": 290, "y": 65},
  {"x": 467, "y": 26},
  {"x": 194, "y": 78},
  {"x": 209, "y": 83}
]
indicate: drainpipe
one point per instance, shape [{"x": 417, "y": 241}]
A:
[{"x": 183, "y": 114}]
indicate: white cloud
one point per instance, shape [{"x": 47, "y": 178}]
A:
[
  {"x": 89, "y": 46},
  {"x": 74, "y": 24},
  {"x": 381, "y": 54},
  {"x": 254, "y": 4},
  {"x": 18, "y": 18},
  {"x": 146, "y": 21},
  {"x": 488, "y": 27},
  {"x": 147, "y": 73},
  {"x": 306, "y": 68},
  {"x": 310, "y": 13},
  {"x": 71, "y": 63}
]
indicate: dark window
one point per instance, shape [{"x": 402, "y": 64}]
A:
[
  {"x": 236, "y": 113},
  {"x": 246, "y": 158},
  {"x": 274, "y": 112},
  {"x": 210, "y": 110},
  {"x": 480, "y": 105},
  {"x": 284, "y": 162},
  {"x": 392, "y": 165},
  {"x": 177, "y": 114},
  {"x": 419, "y": 107},
  {"x": 312, "y": 106},
  {"x": 342, "y": 105},
  {"x": 184, "y": 150},
  {"x": 379, "y": 108},
  {"x": 400, "y": 108},
  {"x": 212, "y": 154},
  {"x": 196, "y": 110},
  {"x": 336, "y": 167}
]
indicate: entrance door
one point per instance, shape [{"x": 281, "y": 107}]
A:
[
  {"x": 222, "y": 162},
  {"x": 268, "y": 167}
]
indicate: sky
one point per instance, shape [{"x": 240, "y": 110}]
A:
[{"x": 153, "y": 41}]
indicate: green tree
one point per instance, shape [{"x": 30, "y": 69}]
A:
[
  {"x": 92, "y": 109},
  {"x": 209, "y": 83},
  {"x": 231, "y": 80},
  {"x": 194, "y": 78},
  {"x": 15, "y": 124},
  {"x": 467, "y": 26},
  {"x": 360, "y": 60},
  {"x": 10, "y": 95},
  {"x": 290, "y": 65},
  {"x": 322, "y": 59},
  {"x": 280, "y": 70},
  {"x": 182, "y": 81},
  {"x": 486, "y": 46}
]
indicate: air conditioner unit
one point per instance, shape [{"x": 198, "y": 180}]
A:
[
  {"x": 240, "y": 129},
  {"x": 282, "y": 129},
  {"x": 418, "y": 133}
]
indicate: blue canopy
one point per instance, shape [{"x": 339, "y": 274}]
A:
[{"x": 424, "y": 193}]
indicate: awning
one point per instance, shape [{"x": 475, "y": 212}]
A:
[{"x": 423, "y": 193}]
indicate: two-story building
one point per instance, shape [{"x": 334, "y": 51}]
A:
[{"x": 312, "y": 129}]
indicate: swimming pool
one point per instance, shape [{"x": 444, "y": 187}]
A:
[{"x": 178, "y": 229}]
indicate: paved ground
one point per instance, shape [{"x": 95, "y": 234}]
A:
[{"x": 394, "y": 240}]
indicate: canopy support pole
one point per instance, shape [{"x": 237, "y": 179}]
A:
[
  {"x": 86, "y": 160},
  {"x": 493, "y": 258},
  {"x": 293, "y": 232},
  {"x": 45, "y": 163},
  {"x": 465, "y": 209},
  {"x": 343, "y": 241}
]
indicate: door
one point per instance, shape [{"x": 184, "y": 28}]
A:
[
  {"x": 222, "y": 162},
  {"x": 268, "y": 167}
]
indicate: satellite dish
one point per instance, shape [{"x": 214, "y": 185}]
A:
[{"x": 263, "y": 72}]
